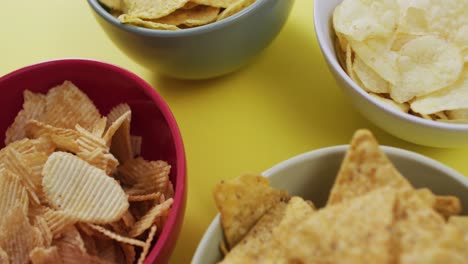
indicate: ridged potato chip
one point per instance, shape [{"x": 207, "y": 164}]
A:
[
  {"x": 136, "y": 145},
  {"x": 118, "y": 134},
  {"x": 196, "y": 16},
  {"x": 46, "y": 234},
  {"x": 363, "y": 19},
  {"x": 234, "y": 8},
  {"x": 151, "y": 234},
  {"x": 58, "y": 221},
  {"x": 33, "y": 108},
  {"x": 64, "y": 139},
  {"x": 69, "y": 184},
  {"x": 17, "y": 236},
  {"x": 15, "y": 163},
  {"x": 12, "y": 193},
  {"x": 426, "y": 64},
  {"x": 45, "y": 255},
  {"x": 144, "y": 197},
  {"x": 150, "y": 217},
  {"x": 144, "y": 176},
  {"x": 109, "y": 251},
  {"x": 68, "y": 106},
  {"x": 152, "y": 9},
  {"x": 117, "y": 237},
  {"x": 450, "y": 98},
  {"x": 129, "y": 252},
  {"x": 4, "y": 257}
]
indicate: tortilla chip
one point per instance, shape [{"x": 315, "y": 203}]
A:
[
  {"x": 344, "y": 232},
  {"x": 365, "y": 168},
  {"x": 253, "y": 194},
  {"x": 197, "y": 16},
  {"x": 259, "y": 237},
  {"x": 416, "y": 225},
  {"x": 447, "y": 206}
]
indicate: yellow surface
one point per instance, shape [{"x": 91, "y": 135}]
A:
[{"x": 283, "y": 104}]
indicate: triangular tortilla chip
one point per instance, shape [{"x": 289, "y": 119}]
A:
[
  {"x": 358, "y": 231},
  {"x": 416, "y": 225},
  {"x": 241, "y": 202},
  {"x": 365, "y": 168}
]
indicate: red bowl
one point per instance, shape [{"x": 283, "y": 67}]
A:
[{"x": 108, "y": 85}]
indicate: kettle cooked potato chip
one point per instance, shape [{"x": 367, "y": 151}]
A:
[{"x": 411, "y": 52}]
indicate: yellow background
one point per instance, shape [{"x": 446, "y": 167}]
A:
[{"x": 283, "y": 104}]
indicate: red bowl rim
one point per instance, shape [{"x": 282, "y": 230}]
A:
[{"x": 178, "y": 206}]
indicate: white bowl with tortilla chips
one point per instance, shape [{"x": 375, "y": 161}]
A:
[
  {"x": 311, "y": 176},
  {"x": 385, "y": 113}
]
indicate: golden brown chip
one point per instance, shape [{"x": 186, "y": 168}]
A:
[
  {"x": 253, "y": 194},
  {"x": 16, "y": 164},
  {"x": 41, "y": 224},
  {"x": 460, "y": 221},
  {"x": 118, "y": 134},
  {"x": 95, "y": 151},
  {"x": 150, "y": 217},
  {"x": 145, "y": 197},
  {"x": 109, "y": 251},
  {"x": 152, "y": 9},
  {"x": 29, "y": 146},
  {"x": 129, "y": 252},
  {"x": 136, "y": 145},
  {"x": 365, "y": 168},
  {"x": 145, "y": 176},
  {"x": 133, "y": 20},
  {"x": 416, "y": 225},
  {"x": 42, "y": 255},
  {"x": 344, "y": 232},
  {"x": 196, "y": 16},
  {"x": 12, "y": 193},
  {"x": 215, "y": 3},
  {"x": 259, "y": 240},
  {"x": 67, "y": 107},
  {"x": 100, "y": 128},
  {"x": 17, "y": 236},
  {"x": 33, "y": 108},
  {"x": 4, "y": 257},
  {"x": 117, "y": 237},
  {"x": 58, "y": 221},
  {"x": 74, "y": 255},
  {"x": 447, "y": 205},
  {"x": 64, "y": 139},
  {"x": 71, "y": 186},
  {"x": 234, "y": 8},
  {"x": 151, "y": 234}
]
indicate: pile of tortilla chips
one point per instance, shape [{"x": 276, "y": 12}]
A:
[
  {"x": 73, "y": 188},
  {"x": 373, "y": 215},
  {"x": 410, "y": 55},
  {"x": 173, "y": 14}
]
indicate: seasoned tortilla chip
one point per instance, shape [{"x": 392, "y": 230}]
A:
[
  {"x": 259, "y": 238},
  {"x": 416, "y": 225},
  {"x": 447, "y": 205},
  {"x": 344, "y": 231},
  {"x": 253, "y": 194},
  {"x": 365, "y": 168}
]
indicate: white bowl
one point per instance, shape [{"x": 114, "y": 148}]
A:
[
  {"x": 311, "y": 175},
  {"x": 399, "y": 124}
]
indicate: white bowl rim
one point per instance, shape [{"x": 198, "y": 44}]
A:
[
  {"x": 391, "y": 151},
  {"x": 327, "y": 52},
  {"x": 97, "y": 7}
]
